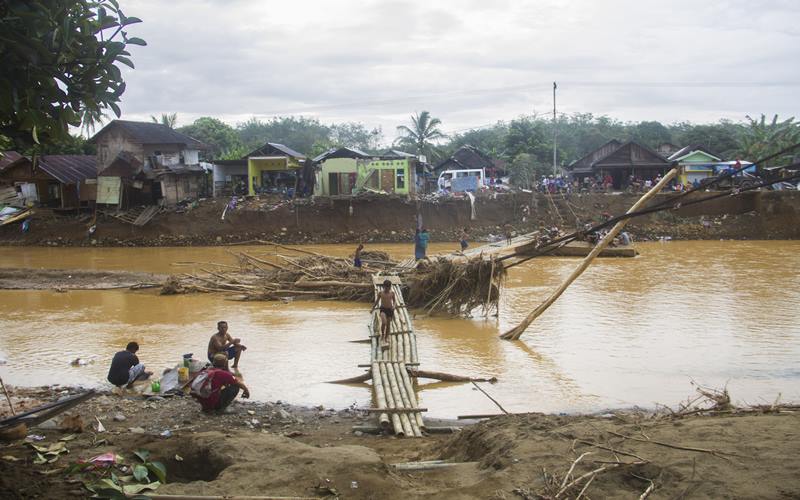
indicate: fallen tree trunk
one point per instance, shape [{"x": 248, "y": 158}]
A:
[{"x": 447, "y": 377}]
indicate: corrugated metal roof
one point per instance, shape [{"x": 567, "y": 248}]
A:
[
  {"x": 69, "y": 169},
  {"x": 343, "y": 152},
  {"x": 8, "y": 157},
  {"x": 152, "y": 133},
  {"x": 271, "y": 148}
]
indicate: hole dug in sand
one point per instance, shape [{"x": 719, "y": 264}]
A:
[{"x": 199, "y": 462}]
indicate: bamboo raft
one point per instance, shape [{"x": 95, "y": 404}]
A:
[{"x": 393, "y": 391}]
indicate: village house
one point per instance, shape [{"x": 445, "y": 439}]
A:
[
  {"x": 469, "y": 158},
  {"x": 53, "y": 181},
  {"x": 272, "y": 168},
  {"x": 345, "y": 171},
  {"x": 621, "y": 161},
  {"x": 142, "y": 163},
  {"x": 696, "y": 163}
]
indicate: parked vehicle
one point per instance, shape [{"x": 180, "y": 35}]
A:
[{"x": 446, "y": 178}]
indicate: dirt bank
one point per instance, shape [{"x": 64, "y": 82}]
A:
[
  {"x": 73, "y": 279},
  {"x": 275, "y": 449},
  {"x": 751, "y": 215}
]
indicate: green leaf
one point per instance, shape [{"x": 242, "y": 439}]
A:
[
  {"x": 134, "y": 489},
  {"x": 39, "y": 460},
  {"x": 35, "y": 135},
  {"x": 159, "y": 470},
  {"x": 77, "y": 467},
  {"x": 143, "y": 455},
  {"x": 68, "y": 438},
  {"x": 115, "y": 108},
  {"x": 140, "y": 473},
  {"x": 136, "y": 41},
  {"x": 131, "y": 20},
  {"x": 124, "y": 60}
]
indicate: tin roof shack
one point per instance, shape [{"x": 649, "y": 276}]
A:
[
  {"x": 273, "y": 168},
  {"x": 695, "y": 162},
  {"x": 55, "y": 181},
  {"x": 141, "y": 163},
  {"x": 620, "y": 161},
  {"x": 337, "y": 171}
]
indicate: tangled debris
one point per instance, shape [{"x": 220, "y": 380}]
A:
[{"x": 455, "y": 286}]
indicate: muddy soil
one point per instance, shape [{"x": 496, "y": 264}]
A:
[
  {"x": 276, "y": 449},
  {"x": 74, "y": 279},
  {"x": 751, "y": 215}
]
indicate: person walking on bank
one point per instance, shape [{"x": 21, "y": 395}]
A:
[
  {"x": 125, "y": 367},
  {"x": 222, "y": 386},
  {"x": 222, "y": 343}
]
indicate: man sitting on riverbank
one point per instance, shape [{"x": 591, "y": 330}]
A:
[
  {"x": 224, "y": 387},
  {"x": 222, "y": 343},
  {"x": 126, "y": 368}
]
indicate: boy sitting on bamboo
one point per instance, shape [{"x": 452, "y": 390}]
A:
[{"x": 386, "y": 302}]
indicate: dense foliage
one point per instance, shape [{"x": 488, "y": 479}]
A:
[{"x": 60, "y": 61}]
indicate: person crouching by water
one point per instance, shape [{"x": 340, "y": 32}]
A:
[
  {"x": 421, "y": 243},
  {"x": 224, "y": 386},
  {"x": 357, "y": 256},
  {"x": 222, "y": 343},
  {"x": 126, "y": 368},
  {"x": 386, "y": 303}
]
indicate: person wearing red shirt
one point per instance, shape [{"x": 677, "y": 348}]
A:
[{"x": 224, "y": 386}]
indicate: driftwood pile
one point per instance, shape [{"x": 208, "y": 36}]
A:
[{"x": 439, "y": 285}]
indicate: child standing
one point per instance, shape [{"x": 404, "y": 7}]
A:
[{"x": 464, "y": 236}]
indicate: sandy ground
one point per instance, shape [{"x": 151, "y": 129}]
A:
[
  {"x": 276, "y": 449},
  {"x": 73, "y": 279}
]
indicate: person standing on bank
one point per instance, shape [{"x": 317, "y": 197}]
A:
[
  {"x": 125, "y": 367},
  {"x": 222, "y": 343},
  {"x": 463, "y": 241},
  {"x": 421, "y": 243}
]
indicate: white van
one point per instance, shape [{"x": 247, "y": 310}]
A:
[{"x": 445, "y": 180}]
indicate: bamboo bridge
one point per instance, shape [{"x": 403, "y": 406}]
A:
[{"x": 393, "y": 391}]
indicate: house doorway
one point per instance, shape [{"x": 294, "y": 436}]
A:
[{"x": 387, "y": 180}]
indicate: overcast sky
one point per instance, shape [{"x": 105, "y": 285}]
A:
[{"x": 469, "y": 62}]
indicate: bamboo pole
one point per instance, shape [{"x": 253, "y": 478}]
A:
[
  {"x": 516, "y": 332},
  {"x": 412, "y": 395},
  {"x": 380, "y": 398},
  {"x": 401, "y": 387},
  {"x": 398, "y": 400},
  {"x": 447, "y": 377},
  {"x": 390, "y": 402},
  {"x": 354, "y": 380}
]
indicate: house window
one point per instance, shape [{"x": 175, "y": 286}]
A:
[{"x": 401, "y": 178}]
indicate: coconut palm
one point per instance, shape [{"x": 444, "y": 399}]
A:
[
  {"x": 421, "y": 135},
  {"x": 170, "y": 120}
]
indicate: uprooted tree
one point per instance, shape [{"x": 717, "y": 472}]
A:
[{"x": 60, "y": 63}]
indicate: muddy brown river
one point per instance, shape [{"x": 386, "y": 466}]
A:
[{"x": 628, "y": 332}]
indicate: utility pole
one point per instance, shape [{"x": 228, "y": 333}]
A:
[{"x": 555, "y": 128}]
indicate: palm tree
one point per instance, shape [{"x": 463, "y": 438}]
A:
[
  {"x": 420, "y": 136},
  {"x": 170, "y": 120}
]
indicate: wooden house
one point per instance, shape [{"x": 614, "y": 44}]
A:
[
  {"x": 620, "y": 161},
  {"x": 142, "y": 163},
  {"x": 55, "y": 181}
]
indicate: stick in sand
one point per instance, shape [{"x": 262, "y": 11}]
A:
[
  {"x": 5, "y": 391},
  {"x": 516, "y": 332}
]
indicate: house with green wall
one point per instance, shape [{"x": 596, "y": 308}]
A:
[
  {"x": 695, "y": 163},
  {"x": 345, "y": 171},
  {"x": 272, "y": 166}
]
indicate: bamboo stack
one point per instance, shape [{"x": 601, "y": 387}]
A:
[{"x": 390, "y": 379}]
